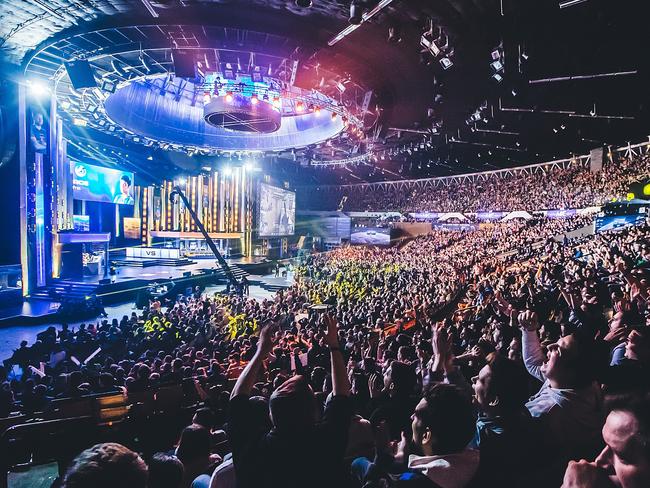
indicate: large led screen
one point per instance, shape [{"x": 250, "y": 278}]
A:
[
  {"x": 98, "y": 184},
  {"x": 277, "y": 215},
  {"x": 376, "y": 236}
]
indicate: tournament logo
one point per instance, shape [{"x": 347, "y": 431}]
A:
[{"x": 80, "y": 170}]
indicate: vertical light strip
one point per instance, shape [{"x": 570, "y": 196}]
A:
[
  {"x": 39, "y": 214},
  {"x": 24, "y": 238}
]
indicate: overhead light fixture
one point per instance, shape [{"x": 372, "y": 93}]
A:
[
  {"x": 571, "y": 3},
  {"x": 300, "y": 106},
  {"x": 150, "y": 8},
  {"x": 356, "y": 12},
  {"x": 497, "y": 65},
  {"x": 79, "y": 122},
  {"x": 367, "y": 16},
  {"x": 37, "y": 88},
  {"x": 277, "y": 103},
  {"x": 317, "y": 110},
  {"x": 206, "y": 97},
  {"x": 497, "y": 77},
  {"x": 496, "y": 54},
  {"x": 333, "y": 115},
  {"x": 109, "y": 86},
  {"x": 394, "y": 34},
  {"x": 446, "y": 63},
  {"x": 254, "y": 99},
  {"x": 149, "y": 158},
  {"x": 229, "y": 97}
]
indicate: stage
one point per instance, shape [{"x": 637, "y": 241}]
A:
[{"x": 130, "y": 280}]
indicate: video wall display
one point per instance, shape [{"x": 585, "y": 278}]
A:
[
  {"x": 618, "y": 222},
  {"x": 99, "y": 184},
  {"x": 374, "y": 236},
  {"x": 132, "y": 227},
  {"x": 81, "y": 223},
  {"x": 277, "y": 212}
]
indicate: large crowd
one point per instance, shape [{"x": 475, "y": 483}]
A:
[
  {"x": 552, "y": 188},
  {"x": 510, "y": 355}
]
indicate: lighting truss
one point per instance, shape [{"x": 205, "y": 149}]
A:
[{"x": 352, "y": 27}]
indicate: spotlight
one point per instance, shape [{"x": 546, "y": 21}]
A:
[
  {"x": 394, "y": 35},
  {"x": 206, "y": 97},
  {"x": 497, "y": 77},
  {"x": 356, "y": 13},
  {"x": 254, "y": 99},
  {"x": 277, "y": 103},
  {"x": 229, "y": 97},
  {"x": 300, "y": 107},
  {"x": 109, "y": 86},
  {"x": 317, "y": 110},
  {"x": 446, "y": 63},
  {"x": 227, "y": 171},
  {"x": 333, "y": 115},
  {"x": 497, "y": 65},
  {"x": 303, "y": 3},
  {"x": 37, "y": 88},
  {"x": 65, "y": 104},
  {"x": 80, "y": 122},
  {"x": 150, "y": 158}
]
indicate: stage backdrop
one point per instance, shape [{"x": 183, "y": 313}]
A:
[
  {"x": 98, "y": 184},
  {"x": 277, "y": 212}
]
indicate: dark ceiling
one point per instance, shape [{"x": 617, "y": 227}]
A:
[{"x": 422, "y": 105}]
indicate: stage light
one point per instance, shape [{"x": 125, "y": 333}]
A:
[
  {"x": 333, "y": 115},
  {"x": 206, "y": 97},
  {"x": 149, "y": 158},
  {"x": 80, "y": 122},
  {"x": 206, "y": 168},
  {"x": 227, "y": 171},
  {"x": 229, "y": 97},
  {"x": 300, "y": 107},
  {"x": 317, "y": 110},
  {"x": 356, "y": 13},
  {"x": 497, "y": 65},
  {"x": 37, "y": 88},
  {"x": 254, "y": 99},
  {"x": 394, "y": 35},
  {"x": 497, "y": 77},
  {"x": 180, "y": 181},
  {"x": 303, "y": 3},
  {"x": 446, "y": 63},
  {"x": 277, "y": 103},
  {"x": 65, "y": 104},
  {"x": 248, "y": 166}
]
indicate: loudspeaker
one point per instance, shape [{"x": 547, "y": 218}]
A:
[
  {"x": 184, "y": 65},
  {"x": 597, "y": 159},
  {"x": 80, "y": 74}
]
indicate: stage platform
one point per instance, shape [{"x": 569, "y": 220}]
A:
[{"x": 42, "y": 306}]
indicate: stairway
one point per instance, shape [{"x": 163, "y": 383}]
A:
[{"x": 63, "y": 289}]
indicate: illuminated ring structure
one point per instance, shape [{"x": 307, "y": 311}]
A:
[
  {"x": 241, "y": 114},
  {"x": 138, "y": 99},
  {"x": 140, "y": 108}
]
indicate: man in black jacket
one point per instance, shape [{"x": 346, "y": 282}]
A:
[{"x": 299, "y": 450}]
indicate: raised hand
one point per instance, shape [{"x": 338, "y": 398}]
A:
[
  {"x": 375, "y": 387},
  {"x": 331, "y": 336},
  {"x": 265, "y": 344},
  {"x": 528, "y": 320},
  {"x": 583, "y": 474}
]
